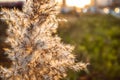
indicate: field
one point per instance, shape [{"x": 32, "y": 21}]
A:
[{"x": 97, "y": 40}]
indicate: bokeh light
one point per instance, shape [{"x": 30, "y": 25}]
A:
[{"x": 117, "y": 10}]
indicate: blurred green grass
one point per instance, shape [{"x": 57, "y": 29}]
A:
[{"x": 97, "y": 40}]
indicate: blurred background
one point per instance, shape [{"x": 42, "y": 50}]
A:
[{"x": 93, "y": 27}]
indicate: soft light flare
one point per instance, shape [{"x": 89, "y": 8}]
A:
[
  {"x": 117, "y": 10},
  {"x": 78, "y": 3},
  {"x": 106, "y": 10}
]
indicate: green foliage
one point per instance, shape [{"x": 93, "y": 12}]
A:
[{"x": 97, "y": 38}]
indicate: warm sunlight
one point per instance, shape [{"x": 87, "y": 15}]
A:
[{"x": 78, "y": 3}]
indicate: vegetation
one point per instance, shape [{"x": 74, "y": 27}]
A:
[
  {"x": 97, "y": 40},
  {"x": 33, "y": 47}
]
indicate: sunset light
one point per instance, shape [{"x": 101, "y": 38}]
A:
[{"x": 78, "y": 3}]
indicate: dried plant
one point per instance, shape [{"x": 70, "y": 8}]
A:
[{"x": 37, "y": 53}]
